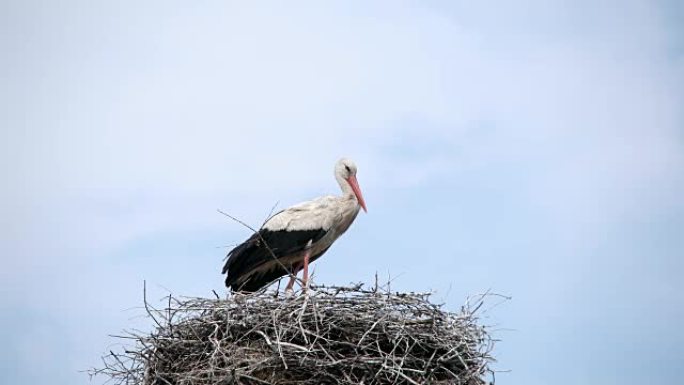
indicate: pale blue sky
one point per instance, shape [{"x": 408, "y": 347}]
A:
[{"x": 535, "y": 149}]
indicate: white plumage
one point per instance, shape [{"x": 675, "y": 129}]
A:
[{"x": 293, "y": 237}]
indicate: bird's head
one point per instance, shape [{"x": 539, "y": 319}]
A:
[{"x": 345, "y": 170}]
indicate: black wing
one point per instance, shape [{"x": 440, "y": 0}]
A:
[{"x": 245, "y": 259}]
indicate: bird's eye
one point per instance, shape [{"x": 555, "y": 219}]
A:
[{"x": 347, "y": 167}]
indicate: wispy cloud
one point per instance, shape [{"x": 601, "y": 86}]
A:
[{"x": 533, "y": 129}]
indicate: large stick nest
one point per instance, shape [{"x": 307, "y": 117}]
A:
[{"x": 329, "y": 335}]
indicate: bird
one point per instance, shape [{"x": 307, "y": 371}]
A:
[{"x": 294, "y": 237}]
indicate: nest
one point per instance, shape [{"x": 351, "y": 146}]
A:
[{"x": 329, "y": 335}]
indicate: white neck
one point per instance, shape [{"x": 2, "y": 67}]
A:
[{"x": 344, "y": 185}]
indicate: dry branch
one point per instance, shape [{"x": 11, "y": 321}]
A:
[{"x": 332, "y": 335}]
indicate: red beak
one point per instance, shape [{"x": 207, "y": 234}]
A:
[{"x": 357, "y": 191}]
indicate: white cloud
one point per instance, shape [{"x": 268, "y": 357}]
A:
[
  {"x": 243, "y": 103},
  {"x": 249, "y": 105},
  {"x": 121, "y": 125}
]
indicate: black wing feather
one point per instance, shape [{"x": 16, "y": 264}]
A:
[{"x": 254, "y": 252}]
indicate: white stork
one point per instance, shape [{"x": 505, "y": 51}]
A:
[{"x": 296, "y": 236}]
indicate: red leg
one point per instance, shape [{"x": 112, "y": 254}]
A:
[
  {"x": 305, "y": 278},
  {"x": 307, "y": 256},
  {"x": 293, "y": 277},
  {"x": 290, "y": 284}
]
